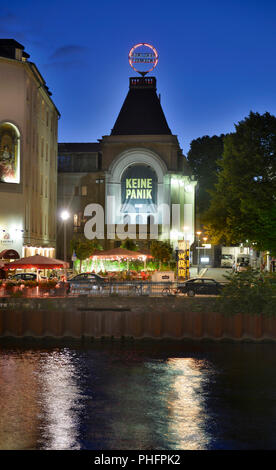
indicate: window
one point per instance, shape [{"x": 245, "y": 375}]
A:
[
  {"x": 33, "y": 138},
  {"x": 28, "y": 91},
  {"x": 42, "y": 147},
  {"x": 226, "y": 257},
  {"x": 76, "y": 220},
  {"x": 43, "y": 111},
  {"x": 84, "y": 190},
  {"x": 64, "y": 163}
]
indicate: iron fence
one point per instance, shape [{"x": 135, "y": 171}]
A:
[{"x": 125, "y": 288}]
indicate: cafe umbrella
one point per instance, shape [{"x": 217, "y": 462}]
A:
[{"x": 37, "y": 262}]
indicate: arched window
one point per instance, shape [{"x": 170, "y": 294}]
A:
[{"x": 9, "y": 153}]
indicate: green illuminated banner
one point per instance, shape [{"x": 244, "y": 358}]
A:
[{"x": 139, "y": 186}]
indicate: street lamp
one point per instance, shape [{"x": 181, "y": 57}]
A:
[
  {"x": 64, "y": 216},
  {"x": 198, "y": 257}
]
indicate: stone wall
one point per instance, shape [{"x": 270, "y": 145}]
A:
[{"x": 157, "y": 318}]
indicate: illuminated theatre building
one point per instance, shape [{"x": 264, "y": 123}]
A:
[
  {"x": 28, "y": 156},
  {"x": 134, "y": 171}
]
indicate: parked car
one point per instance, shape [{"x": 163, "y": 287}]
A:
[
  {"x": 27, "y": 277},
  {"x": 200, "y": 286},
  {"x": 24, "y": 277},
  {"x": 86, "y": 282}
]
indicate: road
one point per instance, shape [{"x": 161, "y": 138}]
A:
[{"x": 212, "y": 273}]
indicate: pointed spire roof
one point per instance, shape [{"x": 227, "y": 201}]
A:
[{"x": 141, "y": 113}]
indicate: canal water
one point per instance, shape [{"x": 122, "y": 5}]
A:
[{"x": 144, "y": 395}]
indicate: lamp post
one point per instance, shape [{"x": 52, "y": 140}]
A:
[
  {"x": 205, "y": 240},
  {"x": 65, "y": 216},
  {"x": 198, "y": 257}
]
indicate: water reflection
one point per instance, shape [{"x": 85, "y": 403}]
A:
[
  {"x": 188, "y": 412},
  {"x": 19, "y": 407},
  {"x": 159, "y": 396},
  {"x": 60, "y": 401}
]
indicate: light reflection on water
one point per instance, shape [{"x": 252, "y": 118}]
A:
[
  {"x": 186, "y": 404},
  {"x": 138, "y": 396},
  {"x": 60, "y": 401}
]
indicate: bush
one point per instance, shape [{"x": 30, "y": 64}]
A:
[
  {"x": 248, "y": 292},
  {"x": 30, "y": 283},
  {"x": 10, "y": 284},
  {"x": 17, "y": 294},
  {"x": 45, "y": 285}
]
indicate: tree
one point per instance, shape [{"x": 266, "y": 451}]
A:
[
  {"x": 204, "y": 156},
  {"x": 243, "y": 203},
  {"x": 84, "y": 248},
  {"x": 129, "y": 244},
  {"x": 161, "y": 251}
]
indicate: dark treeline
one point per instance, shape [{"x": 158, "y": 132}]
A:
[{"x": 236, "y": 174}]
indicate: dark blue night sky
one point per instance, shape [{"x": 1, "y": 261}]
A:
[{"x": 217, "y": 59}]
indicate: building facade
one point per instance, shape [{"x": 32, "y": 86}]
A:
[
  {"x": 28, "y": 155},
  {"x": 137, "y": 174}
]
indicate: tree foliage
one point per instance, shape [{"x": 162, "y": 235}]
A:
[
  {"x": 129, "y": 244},
  {"x": 248, "y": 292},
  {"x": 161, "y": 251},
  {"x": 84, "y": 248},
  {"x": 243, "y": 203},
  {"x": 204, "y": 156}
]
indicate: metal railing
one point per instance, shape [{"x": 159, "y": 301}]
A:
[
  {"x": 125, "y": 288},
  {"x": 109, "y": 288}
]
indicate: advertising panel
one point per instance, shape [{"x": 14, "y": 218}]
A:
[
  {"x": 183, "y": 261},
  {"x": 9, "y": 154},
  {"x": 139, "y": 189}
]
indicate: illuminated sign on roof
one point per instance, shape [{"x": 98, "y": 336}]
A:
[{"x": 145, "y": 55}]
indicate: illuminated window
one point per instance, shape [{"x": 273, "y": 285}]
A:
[{"x": 84, "y": 190}]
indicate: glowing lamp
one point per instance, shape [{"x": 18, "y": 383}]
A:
[{"x": 65, "y": 215}]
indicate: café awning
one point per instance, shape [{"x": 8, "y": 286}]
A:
[
  {"x": 38, "y": 262},
  {"x": 120, "y": 254},
  {"x": 9, "y": 254}
]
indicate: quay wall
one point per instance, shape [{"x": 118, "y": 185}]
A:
[{"x": 137, "y": 317}]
